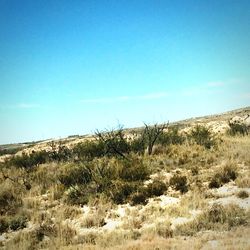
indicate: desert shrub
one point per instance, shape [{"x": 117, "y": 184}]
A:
[
  {"x": 75, "y": 195},
  {"x": 243, "y": 194},
  {"x": 76, "y": 174},
  {"x": 172, "y": 136},
  {"x": 121, "y": 190},
  {"x": 115, "y": 178},
  {"x": 89, "y": 150},
  {"x": 179, "y": 182},
  {"x": 138, "y": 145},
  {"x": 18, "y": 222},
  {"x": 202, "y": 136},
  {"x": 62, "y": 154},
  {"x": 237, "y": 129},
  {"x": 133, "y": 170},
  {"x": 156, "y": 188},
  {"x": 134, "y": 192},
  {"x": 9, "y": 202},
  {"x": 229, "y": 173},
  {"x": 76, "y": 179},
  {"x": 139, "y": 197},
  {"x": 29, "y": 161},
  {"x": 226, "y": 174},
  {"x": 114, "y": 142},
  {"x": 217, "y": 217},
  {"x": 216, "y": 181},
  {"x": 4, "y": 225},
  {"x": 151, "y": 135},
  {"x": 11, "y": 151}
]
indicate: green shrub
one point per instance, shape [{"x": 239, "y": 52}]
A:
[
  {"x": 229, "y": 173},
  {"x": 215, "y": 181},
  {"x": 237, "y": 129},
  {"x": 134, "y": 192},
  {"x": 121, "y": 190},
  {"x": 18, "y": 223},
  {"x": 4, "y": 225},
  {"x": 138, "y": 198},
  {"x": 115, "y": 178},
  {"x": 62, "y": 154},
  {"x": 171, "y": 137},
  {"x": 114, "y": 142},
  {"x": 133, "y": 170},
  {"x": 243, "y": 194},
  {"x": 76, "y": 174},
  {"x": 156, "y": 188},
  {"x": 76, "y": 196},
  {"x": 138, "y": 145},
  {"x": 89, "y": 150},
  {"x": 179, "y": 183},
  {"x": 9, "y": 202},
  {"x": 29, "y": 161},
  {"x": 11, "y": 151},
  {"x": 151, "y": 135},
  {"x": 202, "y": 136}
]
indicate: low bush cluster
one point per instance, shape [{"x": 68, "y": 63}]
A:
[
  {"x": 202, "y": 136},
  {"x": 237, "y": 129},
  {"x": 173, "y": 136},
  {"x": 9, "y": 202},
  {"x": 117, "y": 179},
  {"x": 179, "y": 183},
  {"x": 12, "y": 223},
  {"x": 11, "y": 151},
  {"x": 18, "y": 222},
  {"x": 29, "y": 161},
  {"x": 218, "y": 217},
  {"x": 89, "y": 150},
  {"x": 226, "y": 174},
  {"x": 243, "y": 194},
  {"x": 4, "y": 225}
]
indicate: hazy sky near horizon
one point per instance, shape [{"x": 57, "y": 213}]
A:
[{"x": 70, "y": 67}]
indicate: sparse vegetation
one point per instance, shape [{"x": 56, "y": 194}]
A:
[
  {"x": 113, "y": 191},
  {"x": 217, "y": 217}
]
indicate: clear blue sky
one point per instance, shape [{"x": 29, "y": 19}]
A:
[{"x": 70, "y": 67}]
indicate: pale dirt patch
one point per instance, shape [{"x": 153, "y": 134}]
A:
[
  {"x": 111, "y": 224},
  {"x": 227, "y": 195},
  {"x": 243, "y": 203},
  {"x": 228, "y": 189}
]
